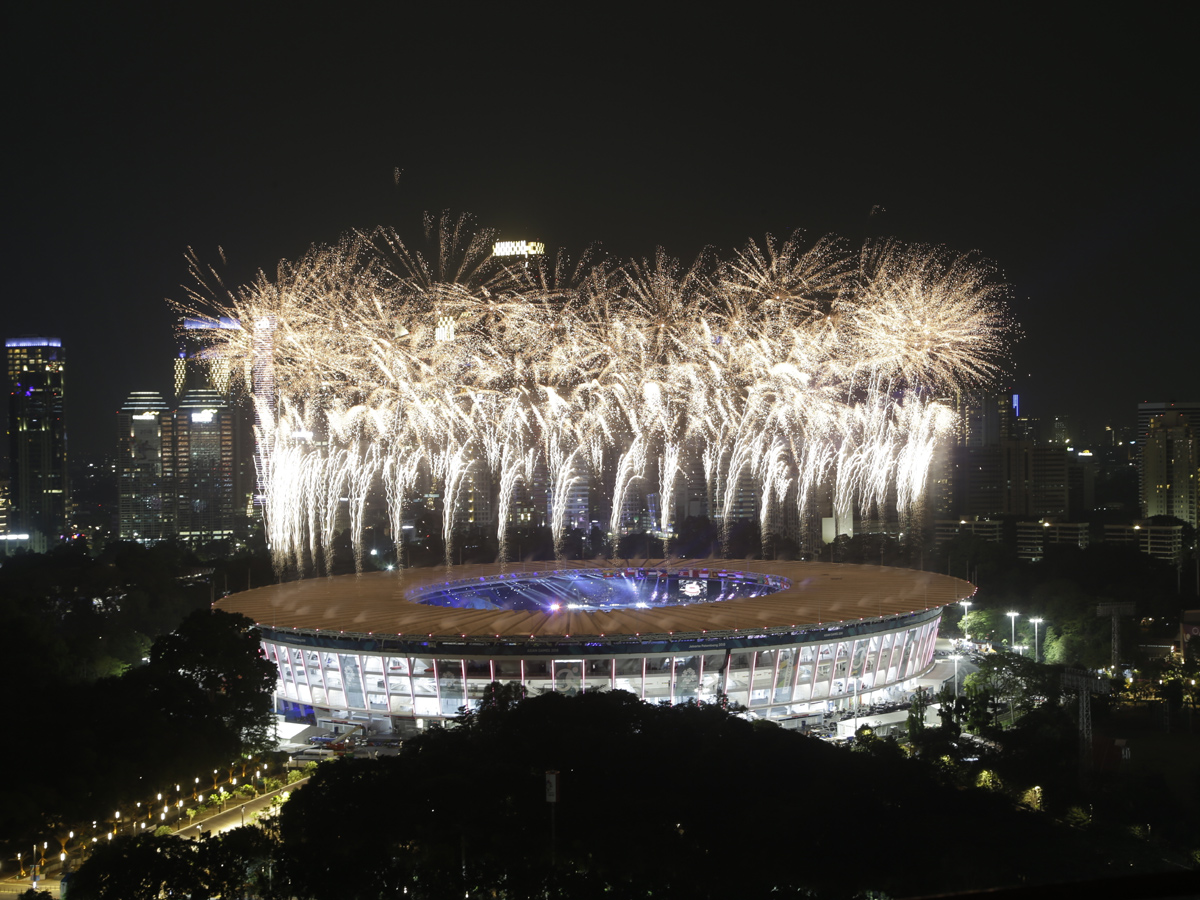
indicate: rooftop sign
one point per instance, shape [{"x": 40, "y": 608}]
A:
[{"x": 518, "y": 248}]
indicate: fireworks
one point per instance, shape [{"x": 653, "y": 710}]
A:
[{"x": 786, "y": 370}]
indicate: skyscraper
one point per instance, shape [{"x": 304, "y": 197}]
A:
[
  {"x": 199, "y": 468},
  {"x": 1170, "y": 457},
  {"x": 143, "y": 499},
  {"x": 37, "y": 436},
  {"x": 196, "y": 368},
  {"x": 1151, "y": 412}
]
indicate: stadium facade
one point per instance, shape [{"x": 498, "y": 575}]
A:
[{"x": 394, "y": 651}]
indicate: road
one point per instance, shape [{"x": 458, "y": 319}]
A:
[
  {"x": 236, "y": 816},
  {"x": 224, "y": 821}
]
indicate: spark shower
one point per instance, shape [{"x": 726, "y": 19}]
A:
[{"x": 798, "y": 370}]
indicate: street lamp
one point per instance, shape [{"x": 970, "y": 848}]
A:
[
  {"x": 956, "y": 657},
  {"x": 1012, "y": 616},
  {"x": 1036, "y": 623}
]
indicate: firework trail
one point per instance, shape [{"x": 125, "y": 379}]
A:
[{"x": 787, "y": 372}]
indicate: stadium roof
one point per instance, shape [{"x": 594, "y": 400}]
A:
[{"x": 377, "y": 603}]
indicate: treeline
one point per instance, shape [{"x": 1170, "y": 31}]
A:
[
  {"x": 1064, "y": 590},
  {"x": 82, "y": 749},
  {"x": 652, "y": 801},
  {"x": 72, "y": 617}
]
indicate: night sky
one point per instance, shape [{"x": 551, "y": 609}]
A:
[{"x": 1064, "y": 148}]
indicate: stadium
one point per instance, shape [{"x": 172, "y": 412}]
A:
[{"x": 394, "y": 651}]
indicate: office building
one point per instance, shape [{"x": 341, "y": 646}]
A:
[
  {"x": 1163, "y": 542},
  {"x": 1170, "y": 460},
  {"x": 985, "y": 529},
  {"x": 197, "y": 368},
  {"x": 144, "y": 503},
  {"x": 984, "y": 420},
  {"x": 40, "y": 491},
  {"x": 1034, "y": 537},
  {"x": 199, "y": 467},
  {"x": 1020, "y": 478},
  {"x": 1156, "y": 412}
]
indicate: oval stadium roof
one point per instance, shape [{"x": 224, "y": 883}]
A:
[{"x": 378, "y": 603}]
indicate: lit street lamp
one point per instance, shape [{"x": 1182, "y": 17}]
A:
[
  {"x": 966, "y": 605},
  {"x": 1012, "y": 616},
  {"x": 1036, "y": 623}
]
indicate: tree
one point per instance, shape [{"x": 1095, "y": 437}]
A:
[
  {"x": 144, "y": 867},
  {"x": 219, "y": 652},
  {"x": 921, "y": 701},
  {"x": 640, "y": 545},
  {"x": 155, "y": 865},
  {"x": 947, "y": 704},
  {"x": 977, "y": 706},
  {"x": 236, "y": 859},
  {"x": 780, "y": 546},
  {"x": 414, "y": 820},
  {"x": 696, "y": 538},
  {"x": 1019, "y": 680}
]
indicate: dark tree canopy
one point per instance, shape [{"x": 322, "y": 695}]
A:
[
  {"x": 219, "y": 653},
  {"x": 204, "y": 698},
  {"x": 650, "y": 799}
]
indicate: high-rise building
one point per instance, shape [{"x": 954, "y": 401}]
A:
[
  {"x": 144, "y": 503},
  {"x": 1049, "y": 482},
  {"x": 1061, "y": 431},
  {"x": 1147, "y": 412},
  {"x": 198, "y": 368},
  {"x": 985, "y": 420},
  {"x": 1170, "y": 457},
  {"x": 199, "y": 468},
  {"x": 1150, "y": 412},
  {"x": 40, "y": 491},
  {"x": 1019, "y": 478}
]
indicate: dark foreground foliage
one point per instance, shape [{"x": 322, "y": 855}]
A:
[
  {"x": 687, "y": 801},
  {"x": 202, "y": 699}
]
